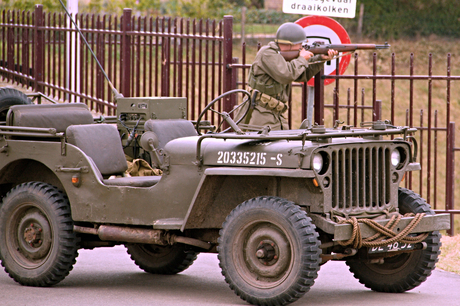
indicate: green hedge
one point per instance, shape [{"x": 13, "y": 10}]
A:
[
  {"x": 383, "y": 18},
  {"x": 409, "y": 18},
  {"x": 261, "y": 16}
]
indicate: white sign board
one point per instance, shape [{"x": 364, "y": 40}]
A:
[{"x": 331, "y": 8}]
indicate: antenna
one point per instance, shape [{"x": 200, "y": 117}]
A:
[{"x": 115, "y": 92}]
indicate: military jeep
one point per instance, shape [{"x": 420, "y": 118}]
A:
[{"x": 274, "y": 205}]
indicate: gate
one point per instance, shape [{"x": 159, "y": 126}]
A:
[{"x": 143, "y": 56}]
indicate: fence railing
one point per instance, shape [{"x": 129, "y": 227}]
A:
[
  {"x": 143, "y": 56},
  {"x": 146, "y": 56}
]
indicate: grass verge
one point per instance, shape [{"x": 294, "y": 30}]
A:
[{"x": 449, "y": 260}]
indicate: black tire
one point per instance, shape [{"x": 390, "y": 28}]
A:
[
  {"x": 38, "y": 246},
  {"x": 158, "y": 259},
  {"x": 269, "y": 251},
  {"x": 405, "y": 271},
  {"x": 10, "y": 97}
]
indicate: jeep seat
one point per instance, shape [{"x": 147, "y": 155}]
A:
[
  {"x": 167, "y": 130},
  {"x": 58, "y": 116},
  {"x": 101, "y": 142}
]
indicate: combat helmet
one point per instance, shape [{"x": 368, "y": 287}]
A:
[{"x": 290, "y": 33}]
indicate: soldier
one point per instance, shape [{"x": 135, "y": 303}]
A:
[{"x": 271, "y": 75}]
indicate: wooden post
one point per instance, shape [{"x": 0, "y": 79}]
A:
[
  {"x": 243, "y": 23},
  {"x": 359, "y": 31}
]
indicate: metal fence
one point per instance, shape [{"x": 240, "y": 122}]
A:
[
  {"x": 146, "y": 56},
  {"x": 143, "y": 56}
]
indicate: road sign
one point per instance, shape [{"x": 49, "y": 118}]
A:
[
  {"x": 332, "y": 8},
  {"x": 329, "y": 31}
]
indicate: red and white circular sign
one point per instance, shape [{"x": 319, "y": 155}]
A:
[{"x": 329, "y": 31}]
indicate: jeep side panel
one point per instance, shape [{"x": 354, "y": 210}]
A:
[{"x": 92, "y": 200}]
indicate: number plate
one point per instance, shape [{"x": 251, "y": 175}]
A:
[{"x": 393, "y": 247}]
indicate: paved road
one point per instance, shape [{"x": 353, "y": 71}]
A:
[{"x": 107, "y": 276}]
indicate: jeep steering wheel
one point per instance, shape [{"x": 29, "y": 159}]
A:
[{"x": 225, "y": 115}]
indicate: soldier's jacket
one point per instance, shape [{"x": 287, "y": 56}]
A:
[{"x": 272, "y": 74}]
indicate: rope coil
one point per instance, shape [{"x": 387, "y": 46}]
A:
[{"x": 384, "y": 234}]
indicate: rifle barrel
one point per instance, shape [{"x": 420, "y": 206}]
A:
[
  {"x": 322, "y": 49},
  {"x": 385, "y": 46}
]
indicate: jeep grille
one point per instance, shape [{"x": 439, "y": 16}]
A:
[{"x": 360, "y": 178}]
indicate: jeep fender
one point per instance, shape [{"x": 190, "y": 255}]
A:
[{"x": 222, "y": 189}]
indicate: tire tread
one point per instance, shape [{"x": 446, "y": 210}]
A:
[
  {"x": 409, "y": 201},
  {"x": 68, "y": 240},
  {"x": 309, "y": 241}
]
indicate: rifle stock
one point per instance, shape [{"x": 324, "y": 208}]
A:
[{"x": 319, "y": 48}]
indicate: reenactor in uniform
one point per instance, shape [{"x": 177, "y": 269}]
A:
[{"x": 271, "y": 76}]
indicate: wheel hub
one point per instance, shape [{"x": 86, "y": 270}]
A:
[
  {"x": 267, "y": 252},
  {"x": 32, "y": 235}
]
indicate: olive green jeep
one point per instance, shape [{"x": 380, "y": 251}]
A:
[{"x": 274, "y": 205}]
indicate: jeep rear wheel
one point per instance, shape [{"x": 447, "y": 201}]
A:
[
  {"x": 407, "y": 270},
  {"x": 10, "y": 97},
  {"x": 269, "y": 251},
  {"x": 157, "y": 259},
  {"x": 37, "y": 246}
]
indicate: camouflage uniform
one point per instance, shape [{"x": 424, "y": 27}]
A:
[{"x": 272, "y": 75}]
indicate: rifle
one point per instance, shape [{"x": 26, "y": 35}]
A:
[{"x": 321, "y": 48}]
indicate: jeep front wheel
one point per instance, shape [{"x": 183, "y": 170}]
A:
[
  {"x": 38, "y": 246},
  {"x": 407, "y": 270},
  {"x": 157, "y": 259},
  {"x": 269, "y": 251}
]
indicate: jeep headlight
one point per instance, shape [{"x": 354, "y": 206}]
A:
[
  {"x": 318, "y": 162},
  {"x": 395, "y": 157}
]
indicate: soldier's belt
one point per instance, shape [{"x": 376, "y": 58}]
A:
[{"x": 269, "y": 102}]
